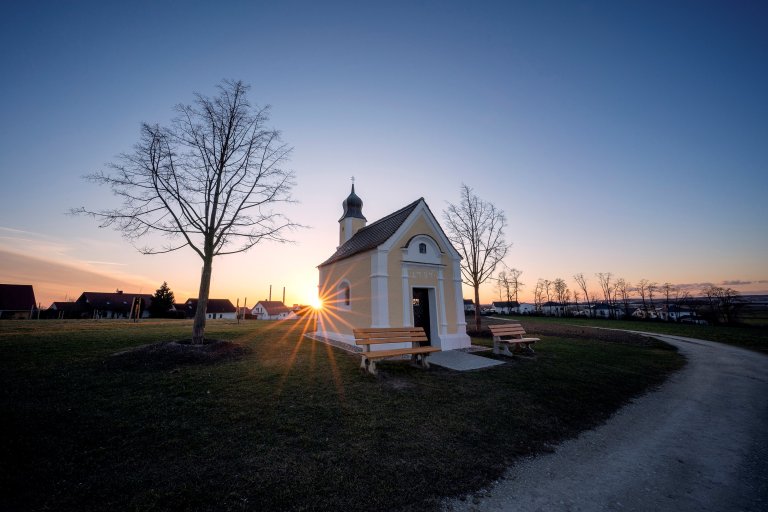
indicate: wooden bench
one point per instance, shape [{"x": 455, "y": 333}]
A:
[
  {"x": 381, "y": 335},
  {"x": 508, "y": 334}
]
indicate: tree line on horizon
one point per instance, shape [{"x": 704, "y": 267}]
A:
[{"x": 716, "y": 304}]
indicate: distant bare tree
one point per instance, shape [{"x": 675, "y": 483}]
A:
[
  {"x": 476, "y": 228},
  {"x": 623, "y": 289},
  {"x": 547, "y": 290},
  {"x": 723, "y": 303},
  {"x": 561, "y": 292},
  {"x": 515, "y": 283},
  {"x": 538, "y": 294},
  {"x": 652, "y": 288},
  {"x": 667, "y": 289},
  {"x": 503, "y": 284},
  {"x": 582, "y": 282},
  {"x": 604, "y": 278},
  {"x": 208, "y": 182},
  {"x": 642, "y": 289},
  {"x": 500, "y": 285}
]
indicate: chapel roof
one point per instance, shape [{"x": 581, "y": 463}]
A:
[{"x": 373, "y": 235}]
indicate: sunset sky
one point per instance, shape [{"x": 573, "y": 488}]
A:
[{"x": 623, "y": 137}]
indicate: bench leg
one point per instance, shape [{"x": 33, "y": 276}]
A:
[
  {"x": 506, "y": 351},
  {"x": 369, "y": 365},
  {"x": 419, "y": 360},
  {"x": 496, "y": 349}
]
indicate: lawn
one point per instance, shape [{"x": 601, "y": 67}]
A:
[
  {"x": 292, "y": 425},
  {"x": 753, "y": 337}
]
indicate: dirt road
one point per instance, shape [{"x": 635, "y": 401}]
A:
[{"x": 699, "y": 443}]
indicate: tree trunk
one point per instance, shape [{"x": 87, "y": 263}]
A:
[
  {"x": 198, "y": 328},
  {"x": 477, "y": 308}
]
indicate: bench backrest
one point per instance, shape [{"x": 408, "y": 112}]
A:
[
  {"x": 511, "y": 329},
  {"x": 376, "y": 335}
]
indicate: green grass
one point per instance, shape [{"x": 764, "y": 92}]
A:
[
  {"x": 294, "y": 425},
  {"x": 753, "y": 337}
]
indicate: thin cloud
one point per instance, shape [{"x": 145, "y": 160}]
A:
[
  {"x": 54, "y": 280},
  {"x": 735, "y": 282},
  {"x": 108, "y": 263}
]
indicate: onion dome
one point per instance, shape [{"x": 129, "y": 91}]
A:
[{"x": 353, "y": 206}]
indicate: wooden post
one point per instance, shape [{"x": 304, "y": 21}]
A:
[{"x": 237, "y": 315}]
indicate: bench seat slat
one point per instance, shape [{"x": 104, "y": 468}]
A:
[
  {"x": 402, "y": 339},
  {"x": 385, "y": 331},
  {"x": 379, "y": 354}
]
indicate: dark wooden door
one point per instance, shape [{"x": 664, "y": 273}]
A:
[{"x": 421, "y": 313}]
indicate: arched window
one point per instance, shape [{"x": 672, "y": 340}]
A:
[
  {"x": 422, "y": 248},
  {"x": 345, "y": 295}
]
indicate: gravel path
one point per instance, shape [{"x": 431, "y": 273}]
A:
[{"x": 699, "y": 443}]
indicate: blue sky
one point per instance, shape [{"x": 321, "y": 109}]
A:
[{"x": 624, "y": 137}]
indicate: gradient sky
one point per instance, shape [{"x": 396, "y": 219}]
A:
[{"x": 624, "y": 137}]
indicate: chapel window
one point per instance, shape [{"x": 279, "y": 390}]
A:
[{"x": 422, "y": 248}]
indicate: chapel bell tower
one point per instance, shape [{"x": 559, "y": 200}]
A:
[{"x": 352, "y": 220}]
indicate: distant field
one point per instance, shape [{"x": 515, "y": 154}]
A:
[
  {"x": 754, "y": 337},
  {"x": 292, "y": 425}
]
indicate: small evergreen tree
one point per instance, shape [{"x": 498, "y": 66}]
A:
[{"x": 162, "y": 301}]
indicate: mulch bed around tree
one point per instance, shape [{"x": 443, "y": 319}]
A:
[{"x": 168, "y": 355}]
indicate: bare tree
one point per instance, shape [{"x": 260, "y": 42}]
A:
[
  {"x": 503, "y": 284},
  {"x": 604, "y": 279},
  {"x": 515, "y": 283},
  {"x": 642, "y": 289},
  {"x": 538, "y": 294},
  {"x": 548, "y": 291},
  {"x": 723, "y": 303},
  {"x": 476, "y": 228},
  {"x": 623, "y": 288},
  {"x": 667, "y": 289},
  {"x": 582, "y": 282},
  {"x": 209, "y": 182},
  {"x": 652, "y": 288},
  {"x": 561, "y": 292}
]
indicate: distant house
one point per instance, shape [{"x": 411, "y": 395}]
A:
[
  {"x": 17, "y": 301},
  {"x": 675, "y": 313},
  {"x": 506, "y": 307},
  {"x": 218, "y": 309},
  {"x": 552, "y": 308},
  {"x": 116, "y": 304},
  {"x": 469, "y": 306},
  {"x": 272, "y": 310},
  {"x": 603, "y": 310},
  {"x": 62, "y": 310},
  {"x": 526, "y": 308}
]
